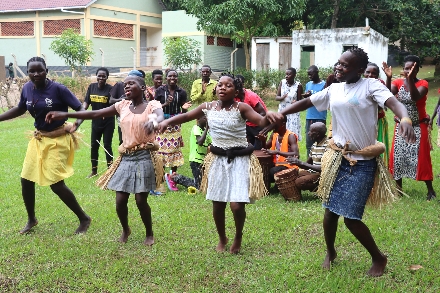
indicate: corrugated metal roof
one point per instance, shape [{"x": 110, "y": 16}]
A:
[{"x": 34, "y": 5}]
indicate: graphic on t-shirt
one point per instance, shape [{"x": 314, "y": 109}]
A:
[
  {"x": 48, "y": 102},
  {"x": 354, "y": 101},
  {"x": 99, "y": 99}
]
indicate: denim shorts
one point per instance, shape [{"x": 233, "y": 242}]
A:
[{"x": 352, "y": 188}]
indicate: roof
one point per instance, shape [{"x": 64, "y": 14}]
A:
[{"x": 18, "y": 6}]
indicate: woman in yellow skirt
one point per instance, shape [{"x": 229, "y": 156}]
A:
[{"x": 50, "y": 152}]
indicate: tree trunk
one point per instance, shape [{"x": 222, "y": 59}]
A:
[
  {"x": 437, "y": 69},
  {"x": 247, "y": 55},
  {"x": 335, "y": 13}
]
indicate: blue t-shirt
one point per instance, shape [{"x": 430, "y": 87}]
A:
[
  {"x": 312, "y": 113},
  {"x": 39, "y": 102}
]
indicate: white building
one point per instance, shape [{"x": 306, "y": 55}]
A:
[{"x": 320, "y": 47}]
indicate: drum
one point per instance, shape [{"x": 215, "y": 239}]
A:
[
  {"x": 285, "y": 181},
  {"x": 266, "y": 162}
]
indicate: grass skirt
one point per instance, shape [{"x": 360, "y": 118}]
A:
[
  {"x": 135, "y": 173},
  {"x": 382, "y": 136},
  {"x": 49, "y": 159}
]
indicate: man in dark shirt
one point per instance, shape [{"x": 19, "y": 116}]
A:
[{"x": 98, "y": 96}]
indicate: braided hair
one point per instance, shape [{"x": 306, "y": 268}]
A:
[
  {"x": 36, "y": 59},
  {"x": 238, "y": 84},
  {"x": 361, "y": 55}
]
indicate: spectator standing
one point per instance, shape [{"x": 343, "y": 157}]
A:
[
  {"x": 203, "y": 89},
  {"x": 98, "y": 96},
  {"x": 313, "y": 115}
]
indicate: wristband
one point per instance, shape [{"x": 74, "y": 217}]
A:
[{"x": 406, "y": 119}]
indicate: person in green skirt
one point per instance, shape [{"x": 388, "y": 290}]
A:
[{"x": 372, "y": 71}]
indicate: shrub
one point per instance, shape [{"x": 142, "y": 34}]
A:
[{"x": 77, "y": 85}]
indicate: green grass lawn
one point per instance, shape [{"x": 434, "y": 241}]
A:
[{"x": 282, "y": 251}]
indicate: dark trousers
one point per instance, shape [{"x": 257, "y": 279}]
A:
[
  {"x": 106, "y": 133},
  {"x": 197, "y": 171},
  {"x": 309, "y": 141},
  {"x": 251, "y": 133}
]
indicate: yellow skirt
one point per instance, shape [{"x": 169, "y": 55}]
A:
[{"x": 49, "y": 160}]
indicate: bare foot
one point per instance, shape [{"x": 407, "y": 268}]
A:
[
  {"x": 149, "y": 241},
  {"x": 329, "y": 258},
  {"x": 29, "y": 225},
  {"x": 93, "y": 174},
  {"x": 221, "y": 247},
  {"x": 430, "y": 195},
  {"x": 83, "y": 226},
  {"x": 378, "y": 266},
  {"x": 235, "y": 247},
  {"x": 124, "y": 236}
]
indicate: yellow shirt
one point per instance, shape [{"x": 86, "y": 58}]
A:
[{"x": 196, "y": 91}]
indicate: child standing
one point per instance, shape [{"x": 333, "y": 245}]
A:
[
  {"x": 232, "y": 173},
  {"x": 134, "y": 171},
  {"x": 198, "y": 148}
]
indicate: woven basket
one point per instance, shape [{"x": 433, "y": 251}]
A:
[{"x": 285, "y": 181}]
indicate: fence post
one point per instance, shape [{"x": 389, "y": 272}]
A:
[
  {"x": 17, "y": 68},
  {"x": 102, "y": 57},
  {"x": 134, "y": 58}
]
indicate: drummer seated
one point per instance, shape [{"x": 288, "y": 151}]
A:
[
  {"x": 281, "y": 144},
  {"x": 310, "y": 171}
]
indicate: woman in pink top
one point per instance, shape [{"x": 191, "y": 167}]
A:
[{"x": 134, "y": 171}]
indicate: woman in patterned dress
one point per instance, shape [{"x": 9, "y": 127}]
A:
[
  {"x": 411, "y": 160},
  {"x": 229, "y": 179},
  {"x": 174, "y": 102},
  {"x": 290, "y": 91}
]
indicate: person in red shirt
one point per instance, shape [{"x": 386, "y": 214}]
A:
[{"x": 253, "y": 100}]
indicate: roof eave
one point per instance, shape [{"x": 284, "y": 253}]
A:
[{"x": 50, "y": 8}]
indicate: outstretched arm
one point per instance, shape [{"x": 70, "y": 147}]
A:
[
  {"x": 182, "y": 118},
  {"x": 106, "y": 112},
  {"x": 12, "y": 113}
]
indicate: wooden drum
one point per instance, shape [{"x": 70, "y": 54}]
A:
[
  {"x": 285, "y": 181},
  {"x": 266, "y": 162}
]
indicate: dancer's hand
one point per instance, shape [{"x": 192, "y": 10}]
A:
[
  {"x": 387, "y": 69},
  {"x": 186, "y": 106},
  {"x": 407, "y": 131},
  {"x": 274, "y": 117},
  {"x": 55, "y": 115},
  {"x": 161, "y": 127}
]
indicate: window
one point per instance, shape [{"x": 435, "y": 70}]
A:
[
  {"x": 224, "y": 42},
  {"x": 210, "y": 40},
  {"x": 112, "y": 29},
  {"x": 56, "y": 27},
  {"x": 17, "y": 29}
]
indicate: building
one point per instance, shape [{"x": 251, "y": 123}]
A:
[
  {"x": 217, "y": 51},
  {"x": 124, "y": 33},
  {"x": 320, "y": 47}
]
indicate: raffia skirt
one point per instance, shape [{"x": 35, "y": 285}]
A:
[
  {"x": 49, "y": 160},
  {"x": 352, "y": 188},
  {"x": 135, "y": 173}
]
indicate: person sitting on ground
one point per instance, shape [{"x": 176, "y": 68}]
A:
[
  {"x": 203, "y": 89},
  {"x": 282, "y": 143},
  {"x": 256, "y": 103},
  {"x": 198, "y": 148},
  {"x": 157, "y": 77},
  {"x": 98, "y": 96},
  {"x": 308, "y": 177}
]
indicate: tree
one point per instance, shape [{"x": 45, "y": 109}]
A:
[
  {"x": 74, "y": 48},
  {"x": 182, "y": 52},
  {"x": 243, "y": 19}
]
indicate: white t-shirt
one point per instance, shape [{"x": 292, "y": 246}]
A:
[{"x": 354, "y": 111}]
